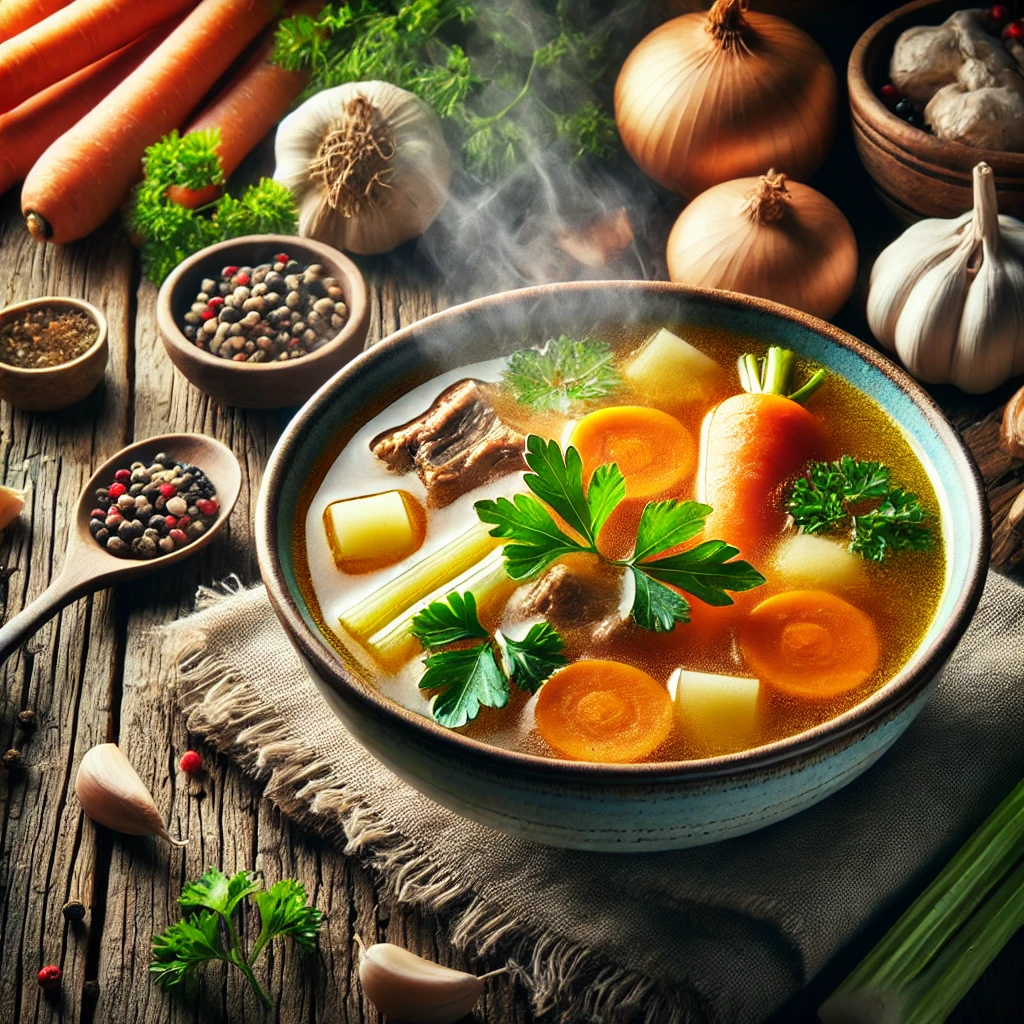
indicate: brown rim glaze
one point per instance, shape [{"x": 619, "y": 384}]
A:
[
  {"x": 941, "y": 167},
  {"x": 261, "y": 385},
  {"x": 889, "y": 699}
]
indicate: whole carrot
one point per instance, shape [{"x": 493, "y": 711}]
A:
[
  {"x": 753, "y": 443},
  {"x": 248, "y": 107},
  {"x": 85, "y": 174},
  {"x": 26, "y": 131},
  {"x": 71, "y": 39},
  {"x": 18, "y": 15}
]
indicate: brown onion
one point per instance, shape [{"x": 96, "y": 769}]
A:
[
  {"x": 708, "y": 98},
  {"x": 768, "y": 237}
]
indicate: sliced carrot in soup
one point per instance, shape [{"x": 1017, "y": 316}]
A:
[
  {"x": 810, "y": 644},
  {"x": 596, "y": 710}
]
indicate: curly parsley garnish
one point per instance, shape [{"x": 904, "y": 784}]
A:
[
  {"x": 534, "y": 540},
  {"x": 470, "y": 677},
  {"x": 208, "y": 931},
  {"x": 562, "y": 374},
  {"x": 859, "y": 497}
]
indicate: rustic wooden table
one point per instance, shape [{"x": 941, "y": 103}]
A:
[{"x": 91, "y": 675}]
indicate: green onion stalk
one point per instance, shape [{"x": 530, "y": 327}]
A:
[
  {"x": 773, "y": 375},
  {"x": 939, "y": 948}
]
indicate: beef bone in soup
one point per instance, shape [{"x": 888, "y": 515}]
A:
[{"x": 666, "y": 546}]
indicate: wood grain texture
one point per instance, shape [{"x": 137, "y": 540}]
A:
[{"x": 95, "y": 674}]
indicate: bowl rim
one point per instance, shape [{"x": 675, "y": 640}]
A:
[
  {"x": 53, "y": 371},
  {"x": 358, "y": 305},
  {"x": 864, "y": 101},
  {"x": 899, "y": 691}
]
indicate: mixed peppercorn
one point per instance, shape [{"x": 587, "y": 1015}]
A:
[
  {"x": 269, "y": 313},
  {"x": 153, "y": 510}
]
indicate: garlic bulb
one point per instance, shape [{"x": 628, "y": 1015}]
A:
[
  {"x": 948, "y": 295},
  {"x": 112, "y": 794},
  {"x": 367, "y": 163},
  {"x": 408, "y": 988}
]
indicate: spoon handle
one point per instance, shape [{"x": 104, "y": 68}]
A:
[{"x": 61, "y": 591}]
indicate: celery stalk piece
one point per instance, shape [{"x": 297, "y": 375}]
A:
[
  {"x": 388, "y": 602},
  {"x": 928, "y": 960}
]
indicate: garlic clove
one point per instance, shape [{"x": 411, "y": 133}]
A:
[
  {"x": 408, "y": 988},
  {"x": 112, "y": 794},
  {"x": 1013, "y": 425},
  {"x": 12, "y": 502}
]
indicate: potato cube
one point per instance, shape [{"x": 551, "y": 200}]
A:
[
  {"x": 807, "y": 560},
  {"x": 670, "y": 371},
  {"x": 374, "y": 530},
  {"x": 718, "y": 713}
]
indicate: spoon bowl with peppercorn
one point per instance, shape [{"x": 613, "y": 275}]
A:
[
  {"x": 263, "y": 320},
  {"x": 150, "y": 506}
]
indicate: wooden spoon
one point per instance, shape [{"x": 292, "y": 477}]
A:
[{"x": 88, "y": 566}]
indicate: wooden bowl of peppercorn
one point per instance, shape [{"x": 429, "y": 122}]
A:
[
  {"x": 53, "y": 352},
  {"x": 916, "y": 173},
  {"x": 263, "y": 320}
]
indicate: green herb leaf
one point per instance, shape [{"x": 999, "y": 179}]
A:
[
  {"x": 558, "y": 480},
  {"x": 448, "y": 621},
  {"x": 216, "y": 891},
  {"x": 706, "y": 572},
  {"x": 666, "y": 524},
  {"x": 530, "y": 661},
  {"x": 832, "y": 496},
  {"x": 283, "y": 912},
  {"x": 465, "y": 680},
  {"x": 186, "y": 944},
  {"x": 564, "y": 374},
  {"x": 537, "y": 539},
  {"x": 606, "y": 489},
  {"x": 655, "y": 606}
]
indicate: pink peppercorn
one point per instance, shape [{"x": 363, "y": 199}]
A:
[
  {"x": 170, "y": 522},
  {"x": 191, "y": 763},
  {"x": 207, "y": 314},
  {"x": 98, "y": 513},
  {"x": 168, "y": 490},
  {"x": 112, "y": 511},
  {"x": 207, "y": 507},
  {"x": 183, "y": 522},
  {"x": 998, "y": 14},
  {"x": 49, "y": 977},
  {"x": 1015, "y": 30},
  {"x": 216, "y": 302},
  {"x": 178, "y": 536},
  {"x": 123, "y": 476},
  {"x": 281, "y": 257},
  {"x": 229, "y": 271},
  {"x": 890, "y": 95},
  {"x": 242, "y": 279},
  {"x": 116, "y": 490}
]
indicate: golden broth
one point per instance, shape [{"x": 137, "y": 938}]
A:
[{"x": 901, "y": 596}]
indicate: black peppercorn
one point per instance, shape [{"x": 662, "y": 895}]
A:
[{"x": 74, "y": 910}]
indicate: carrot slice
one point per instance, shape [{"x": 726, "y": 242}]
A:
[
  {"x": 810, "y": 644},
  {"x": 605, "y": 711}
]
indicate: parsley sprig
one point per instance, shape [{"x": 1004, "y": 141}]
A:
[
  {"x": 208, "y": 931},
  {"x": 562, "y": 374},
  {"x": 169, "y": 232},
  {"x": 534, "y": 540},
  {"x": 468, "y": 678},
  {"x": 859, "y": 497},
  {"x": 498, "y": 83}
]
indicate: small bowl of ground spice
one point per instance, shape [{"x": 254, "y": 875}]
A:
[
  {"x": 262, "y": 321},
  {"x": 53, "y": 352}
]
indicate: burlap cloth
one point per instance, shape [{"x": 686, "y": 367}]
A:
[{"x": 719, "y": 933}]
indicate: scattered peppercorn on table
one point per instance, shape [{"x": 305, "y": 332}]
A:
[{"x": 81, "y": 905}]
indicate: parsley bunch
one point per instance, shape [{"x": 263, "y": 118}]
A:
[
  {"x": 168, "y": 232},
  {"x": 564, "y": 373},
  {"x": 534, "y": 540},
  {"x": 859, "y": 496},
  {"x": 524, "y": 82},
  {"x": 467, "y": 678},
  {"x": 208, "y": 931}
]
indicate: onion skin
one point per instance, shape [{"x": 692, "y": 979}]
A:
[
  {"x": 694, "y": 110},
  {"x": 805, "y": 258}
]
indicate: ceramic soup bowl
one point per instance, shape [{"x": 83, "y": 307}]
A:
[{"x": 639, "y": 807}]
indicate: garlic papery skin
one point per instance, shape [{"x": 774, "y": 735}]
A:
[
  {"x": 408, "y": 988},
  {"x": 948, "y": 295},
  {"x": 367, "y": 163},
  {"x": 112, "y": 794},
  {"x": 12, "y": 503}
]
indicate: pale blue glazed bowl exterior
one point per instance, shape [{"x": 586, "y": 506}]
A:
[{"x": 642, "y": 807}]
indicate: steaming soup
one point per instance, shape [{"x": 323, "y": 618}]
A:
[{"x": 625, "y": 549}]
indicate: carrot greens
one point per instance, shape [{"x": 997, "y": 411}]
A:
[
  {"x": 534, "y": 540},
  {"x": 468, "y": 678}
]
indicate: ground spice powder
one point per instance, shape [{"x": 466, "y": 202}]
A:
[{"x": 44, "y": 337}]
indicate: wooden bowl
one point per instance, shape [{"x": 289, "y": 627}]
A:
[
  {"x": 55, "y": 387},
  {"x": 917, "y": 174},
  {"x": 260, "y": 385}
]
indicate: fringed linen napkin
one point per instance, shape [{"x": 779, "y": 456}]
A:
[{"x": 721, "y": 933}]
